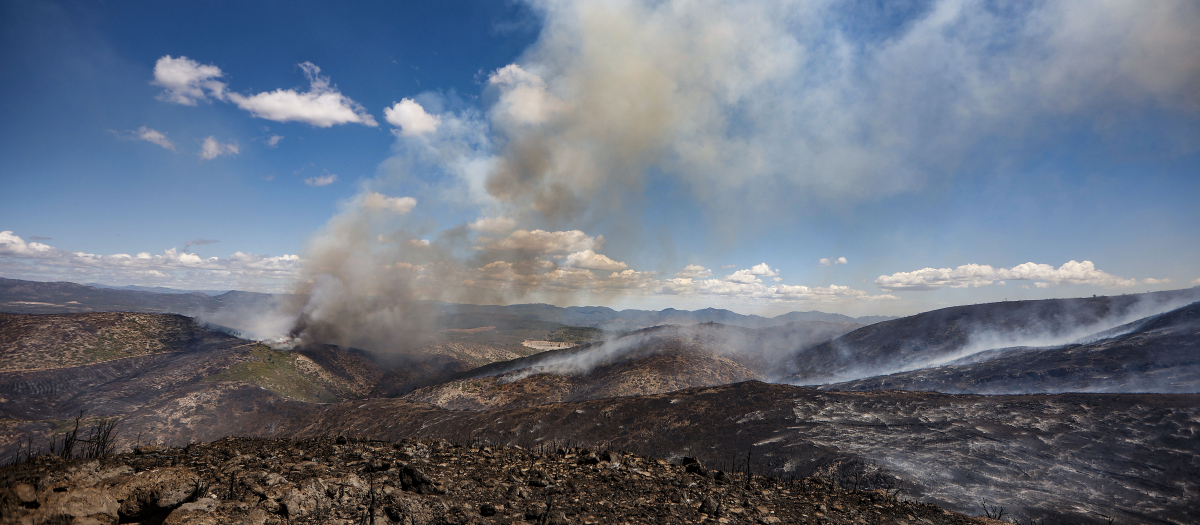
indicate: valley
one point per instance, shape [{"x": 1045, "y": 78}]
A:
[{"x": 1101, "y": 424}]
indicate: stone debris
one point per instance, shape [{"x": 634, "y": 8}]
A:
[{"x": 417, "y": 482}]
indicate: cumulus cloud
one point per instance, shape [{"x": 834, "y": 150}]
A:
[
  {"x": 832, "y": 262},
  {"x": 14, "y": 246},
  {"x": 186, "y": 81},
  {"x": 742, "y": 276},
  {"x": 411, "y": 118},
  {"x": 752, "y": 274},
  {"x": 33, "y": 260},
  {"x": 274, "y": 140},
  {"x": 694, "y": 271},
  {"x": 593, "y": 261},
  {"x": 322, "y": 105},
  {"x": 381, "y": 202},
  {"x": 321, "y": 180},
  {"x": 493, "y": 225},
  {"x": 210, "y": 148},
  {"x": 1072, "y": 272},
  {"x": 762, "y": 270}
]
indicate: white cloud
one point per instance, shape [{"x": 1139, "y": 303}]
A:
[
  {"x": 36, "y": 261},
  {"x": 321, "y": 180},
  {"x": 411, "y": 118},
  {"x": 1072, "y": 272},
  {"x": 381, "y": 202},
  {"x": 186, "y": 81},
  {"x": 322, "y": 105},
  {"x": 1196, "y": 282},
  {"x": 14, "y": 246},
  {"x": 742, "y": 276},
  {"x": 210, "y": 148},
  {"x": 832, "y": 262},
  {"x": 274, "y": 140},
  {"x": 694, "y": 271},
  {"x": 593, "y": 261},
  {"x": 155, "y": 137},
  {"x": 493, "y": 225},
  {"x": 763, "y": 270}
]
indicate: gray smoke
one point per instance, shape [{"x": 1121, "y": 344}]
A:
[{"x": 755, "y": 107}]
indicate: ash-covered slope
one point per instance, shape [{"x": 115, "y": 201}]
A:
[
  {"x": 1160, "y": 354},
  {"x": 650, "y": 361},
  {"x": 938, "y": 337},
  {"x": 1076, "y": 458}
]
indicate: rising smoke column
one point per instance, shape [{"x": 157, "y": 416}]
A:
[{"x": 754, "y": 106}]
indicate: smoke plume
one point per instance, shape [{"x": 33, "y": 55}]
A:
[{"x": 753, "y": 107}]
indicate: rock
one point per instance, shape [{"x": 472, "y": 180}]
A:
[
  {"x": 536, "y": 510},
  {"x": 589, "y": 459},
  {"x": 200, "y": 512},
  {"x": 149, "y": 492},
  {"x": 82, "y": 503},
  {"x": 709, "y": 506},
  {"x": 486, "y": 510},
  {"x": 693, "y": 466},
  {"x": 25, "y": 493},
  {"x": 538, "y": 482},
  {"x": 413, "y": 480}
]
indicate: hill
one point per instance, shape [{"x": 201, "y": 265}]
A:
[
  {"x": 648, "y": 361},
  {"x": 934, "y": 338},
  {"x": 1160, "y": 353}
]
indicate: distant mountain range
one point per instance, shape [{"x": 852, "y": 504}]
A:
[
  {"x": 18, "y": 296},
  {"x": 155, "y": 289}
]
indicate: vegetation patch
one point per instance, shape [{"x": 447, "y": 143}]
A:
[{"x": 279, "y": 372}]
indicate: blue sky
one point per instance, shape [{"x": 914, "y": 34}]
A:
[{"x": 631, "y": 154}]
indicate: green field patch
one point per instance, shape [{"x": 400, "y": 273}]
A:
[{"x": 277, "y": 371}]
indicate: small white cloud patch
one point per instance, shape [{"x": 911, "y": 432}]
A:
[
  {"x": 763, "y": 270},
  {"x": 832, "y": 262},
  {"x": 274, "y": 140},
  {"x": 186, "y": 81},
  {"x": 322, "y": 106},
  {"x": 210, "y": 148},
  {"x": 321, "y": 180},
  {"x": 411, "y": 118},
  {"x": 154, "y": 136}
]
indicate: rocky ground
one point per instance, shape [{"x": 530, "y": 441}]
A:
[{"x": 335, "y": 480}]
